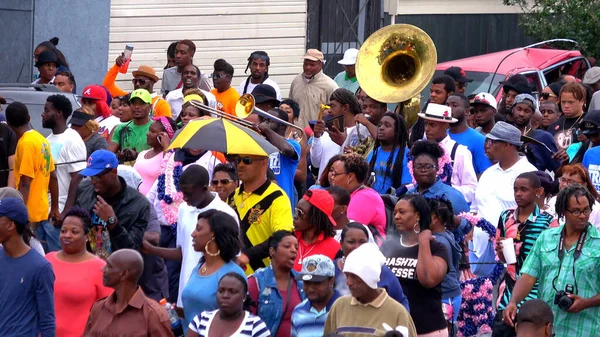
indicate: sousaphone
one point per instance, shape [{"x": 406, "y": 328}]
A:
[{"x": 395, "y": 64}]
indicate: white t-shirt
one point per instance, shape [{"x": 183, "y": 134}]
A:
[
  {"x": 107, "y": 125},
  {"x": 251, "y": 87},
  {"x": 186, "y": 224},
  {"x": 175, "y": 100},
  {"x": 67, "y": 147}
]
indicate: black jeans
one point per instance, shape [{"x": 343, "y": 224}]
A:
[{"x": 168, "y": 239}]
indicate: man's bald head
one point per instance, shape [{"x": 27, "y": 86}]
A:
[
  {"x": 124, "y": 265},
  {"x": 536, "y": 119}
]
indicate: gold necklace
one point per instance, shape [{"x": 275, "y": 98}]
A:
[{"x": 245, "y": 196}]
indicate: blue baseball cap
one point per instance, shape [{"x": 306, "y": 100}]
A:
[
  {"x": 99, "y": 161},
  {"x": 14, "y": 209},
  {"x": 316, "y": 268}
]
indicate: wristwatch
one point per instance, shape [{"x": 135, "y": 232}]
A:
[{"x": 112, "y": 221}]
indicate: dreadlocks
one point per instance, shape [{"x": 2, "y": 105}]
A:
[
  {"x": 400, "y": 141},
  {"x": 345, "y": 96},
  {"x": 259, "y": 54},
  {"x": 320, "y": 222},
  {"x": 562, "y": 199}
]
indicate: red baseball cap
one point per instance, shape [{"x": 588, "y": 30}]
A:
[
  {"x": 322, "y": 200},
  {"x": 94, "y": 92}
]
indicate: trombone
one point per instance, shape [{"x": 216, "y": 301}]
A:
[{"x": 244, "y": 107}]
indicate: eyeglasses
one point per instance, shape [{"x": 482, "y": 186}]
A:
[
  {"x": 425, "y": 167},
  {"x": 568, "y": 181},
  {"x": 546, "y": 95},
  {"x": 298, "y": 213},
  {"x": 335, "y": 174},
  {"x": 141, "y": 81},
  {"x": 577, "y": 212},
  {"x": 216, "y": 182}
]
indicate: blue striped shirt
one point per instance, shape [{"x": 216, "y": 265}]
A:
[
  {"x": 252, "y": 326},
  {"x": 307, "y": 322}
]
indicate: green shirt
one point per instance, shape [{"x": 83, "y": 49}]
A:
[
  {"x": 343, "y": 81},
  {"x": 543, "y": 264},
  {"x": 131, "y": 136}
]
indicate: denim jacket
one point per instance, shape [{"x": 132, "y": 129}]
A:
[{"x": 270, "y": 302}]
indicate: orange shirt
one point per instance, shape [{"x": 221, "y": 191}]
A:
[
  {"x": 76, "y": 287},
  {"x": 226, "y": 100},
  {"x": 160, "y": 108}
]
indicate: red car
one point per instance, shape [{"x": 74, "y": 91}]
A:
[{"x": 540, "y": 65}]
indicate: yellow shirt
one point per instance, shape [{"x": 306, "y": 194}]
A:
[
  {"x": 226, "y": 100},
  {"x": 33, "y": 159},
  {"x": 262, "y": 213}
]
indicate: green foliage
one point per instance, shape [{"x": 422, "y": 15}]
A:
[{"x": 572, "y": 19}]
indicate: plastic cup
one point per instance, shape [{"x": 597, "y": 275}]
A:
[{"x": 508, "y": 250}]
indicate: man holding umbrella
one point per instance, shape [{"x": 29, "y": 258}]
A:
[{"x": 262, "y": 206}]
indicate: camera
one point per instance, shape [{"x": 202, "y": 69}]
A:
[{"x": 562, "y": 299}]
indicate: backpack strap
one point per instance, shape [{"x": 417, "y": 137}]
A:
[{"x": 452, "y": 156}]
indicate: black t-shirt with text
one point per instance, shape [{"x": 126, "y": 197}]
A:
[{"x": 425, "y": 304}]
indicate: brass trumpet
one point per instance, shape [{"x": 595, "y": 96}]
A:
[{"x": 244, "y": 107}]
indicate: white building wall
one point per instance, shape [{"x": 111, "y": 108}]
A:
[{"x": 228, "y": 29}]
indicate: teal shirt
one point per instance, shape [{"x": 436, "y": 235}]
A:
[
  {"x": 543, "y": 264},
  {"x": 343, "y": 81}
]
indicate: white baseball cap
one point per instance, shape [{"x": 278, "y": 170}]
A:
[
  {"x": 349, "y": 57},
  {"x": 485, "y": 99}
]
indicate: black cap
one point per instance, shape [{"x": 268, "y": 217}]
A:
[
  {"x": 518, "y": 83},
  {"x": 264, "y": 93},
  {"x": 457, "y": 74},
  {"x": 46, "y": 56},
  {"x": 590, "y": 123},
  {"x": 79, "y": 118}
]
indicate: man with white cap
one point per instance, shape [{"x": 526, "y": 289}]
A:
[
  {"x": 494, "y": 192},
  {"x": 318, "y": 275},
  {"x": 484, "y": 110},
  {"x": 368, "y": 310},
  {"x": 437, "y": 119},
  {"x": 347, "y": 78},
  {"x": 311, "y": 88}
]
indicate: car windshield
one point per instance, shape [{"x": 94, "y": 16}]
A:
[{"x": 481, "y": 83}]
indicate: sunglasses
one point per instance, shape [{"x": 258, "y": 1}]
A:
[
  {"x": 245, "y": 160},
  {"x": 141, "y": 81},
  {"x": 546, "y": 95},
  {"x": 461, "y": 85},
  {"x": 217, "y": 76},
  {"x": 216, "y": 182}
]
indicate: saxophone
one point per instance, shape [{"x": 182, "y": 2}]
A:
[{"x": 365, "y": 144}]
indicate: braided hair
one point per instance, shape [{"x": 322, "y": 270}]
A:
[
  {"x": 577, "y": 191},
  {"x": 401, "y": 140},
  {"x": 319, "y": 220},
  {"x": 259, "y": 54},
  {"x": 345, "y": 96}
]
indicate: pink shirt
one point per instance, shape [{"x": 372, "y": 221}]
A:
[
  {"x": 366, "y": 207},
  {"x": 76, "y": 287},
  {"x": 149, "y": 169}
]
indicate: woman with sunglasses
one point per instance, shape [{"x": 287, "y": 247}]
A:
[
  {"x": 550, "y": 93},
  {"x": 314, "y": 226},
  {"x": 274, "y": 291},
  {"x": 148, "y": 161},
  {"x": 577, "y": 174},
  {"x": 224, "y": 181}
]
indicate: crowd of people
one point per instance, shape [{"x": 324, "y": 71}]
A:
[{"x": 327, "y": 236}]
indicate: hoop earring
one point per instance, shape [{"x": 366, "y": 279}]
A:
[
  {"x": 209, "y": 253},
  {"x": 415, "y": 228}
]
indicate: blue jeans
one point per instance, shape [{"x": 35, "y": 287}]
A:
[{"x": 48, "y": 235}]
